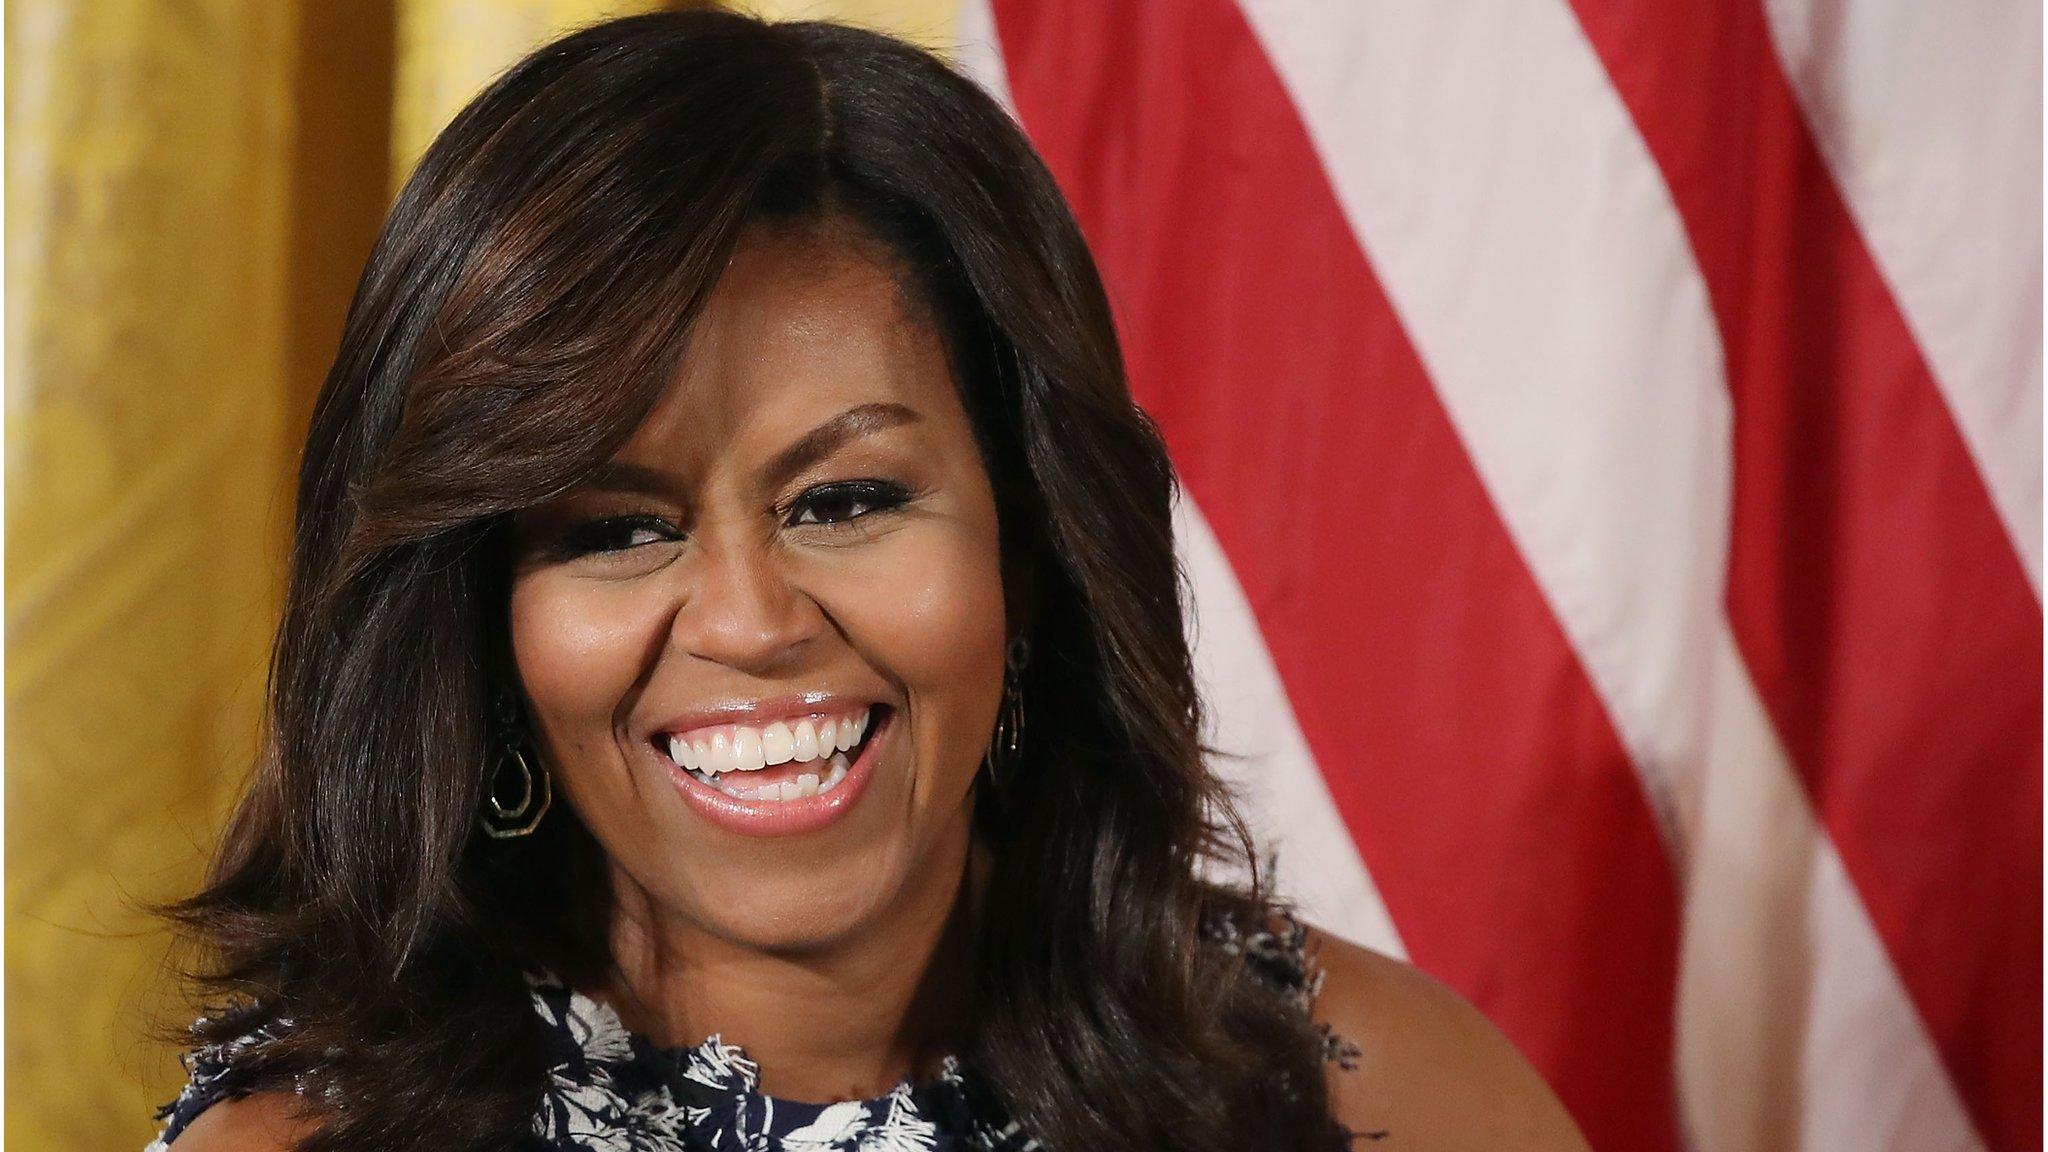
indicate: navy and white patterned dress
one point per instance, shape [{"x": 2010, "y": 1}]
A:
[{"x": 614, "y": 1090}]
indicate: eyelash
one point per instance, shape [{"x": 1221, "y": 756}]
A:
[{"x": 602, "y": 536}]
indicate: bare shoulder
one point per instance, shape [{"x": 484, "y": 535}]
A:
[
  {"x": 1432, "y": 1071},
  {"x": 265, "y": 1122}
]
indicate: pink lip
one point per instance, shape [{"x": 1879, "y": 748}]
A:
[{"x": 784, "y": 817}]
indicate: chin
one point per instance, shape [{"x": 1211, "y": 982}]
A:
[{"x": 796, "y": 915}]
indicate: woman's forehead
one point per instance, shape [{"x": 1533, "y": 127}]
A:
[{"x": 796, "y": 331}]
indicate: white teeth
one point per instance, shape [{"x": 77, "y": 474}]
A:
[
  {"x": 778, "y": 743},
  {"x": 738, "y": 748},
  {"x": 806, "y": 784},
  {"x": 746, "y": 750},
  {"x": 805, "y": 738}
]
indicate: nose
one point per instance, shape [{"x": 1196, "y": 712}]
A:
[{"x": 741, "y": 608}]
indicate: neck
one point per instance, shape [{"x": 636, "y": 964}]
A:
[{"x": 839, "y": 1021}]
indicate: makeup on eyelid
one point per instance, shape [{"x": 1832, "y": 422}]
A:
[{"x": 877, "y": 497}]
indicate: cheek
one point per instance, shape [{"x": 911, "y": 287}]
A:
[
  {"x": 579, "y": 646},
  {"x": 930, "y": 616}
]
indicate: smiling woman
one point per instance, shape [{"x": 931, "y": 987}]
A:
[
  {"x": 808, "y": 543},
  {"x": 728, "y": 441}
]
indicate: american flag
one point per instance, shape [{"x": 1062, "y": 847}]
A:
[{"x": 1611, "y": 440}]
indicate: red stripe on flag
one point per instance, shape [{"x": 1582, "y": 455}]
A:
[
  {"x": 1876, "y": 598},
  {"x": 1462, "y": 740}
]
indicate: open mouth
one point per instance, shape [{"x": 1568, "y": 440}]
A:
[{"x": 811, "y": 760}]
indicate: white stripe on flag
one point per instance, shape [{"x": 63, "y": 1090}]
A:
[
  {"x": 978, "y": 51},
  {"x": 1929, "y": 116},
  {"x": 1794, "y": 1031}
]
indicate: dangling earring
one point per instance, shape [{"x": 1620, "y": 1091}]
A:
[
  {"x": 508, "y": 742},
  {"x": 1003, "y": 755}
]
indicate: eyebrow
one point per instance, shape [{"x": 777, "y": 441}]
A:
[
  {"x": 813, "y": 446},
  {"x": 827, "y": 438}
]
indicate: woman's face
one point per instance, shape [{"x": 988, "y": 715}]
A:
[{"x": 711, "y": 576}]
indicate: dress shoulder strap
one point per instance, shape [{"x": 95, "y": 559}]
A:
[
  {"x": 215, "y": 1070},
  {"x": 1275, "y": 949}
]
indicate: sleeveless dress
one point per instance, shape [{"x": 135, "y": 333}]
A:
[{"x": 614, "y": 1090}]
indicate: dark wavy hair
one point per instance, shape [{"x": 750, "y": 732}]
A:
[{"x": 522, "y": 310}]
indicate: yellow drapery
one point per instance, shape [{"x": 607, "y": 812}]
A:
[
  {"x": 145, "y": 352},
  {"x": 191, "y": 192}
]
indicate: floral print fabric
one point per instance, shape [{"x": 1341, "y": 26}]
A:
[{"x": 614, "y": 1090}]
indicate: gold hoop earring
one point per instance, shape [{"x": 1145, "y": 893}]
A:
[
  {"x": 497, "y": 808},
  {"x": 1004, "y": 755}
]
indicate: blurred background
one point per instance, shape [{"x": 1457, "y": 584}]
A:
[{"x": 1611, "y": 440}]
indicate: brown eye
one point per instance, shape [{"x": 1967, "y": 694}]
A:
[{"x": 834, "y": 504}]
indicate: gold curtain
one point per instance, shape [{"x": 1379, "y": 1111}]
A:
[
  {"x": 146, "y": 343},
  {"x": 191, "y": 192}
]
